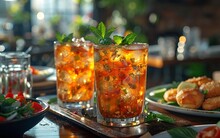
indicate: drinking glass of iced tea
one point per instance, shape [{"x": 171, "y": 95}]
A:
[
  {"x": 74, "y": 62},
  {"x": 120, "y": 76}
]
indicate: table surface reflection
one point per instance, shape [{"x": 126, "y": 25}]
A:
[{"x": 53, "y": 126}]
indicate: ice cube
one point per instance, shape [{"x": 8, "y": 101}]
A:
[{"x": 67, "y": 76}]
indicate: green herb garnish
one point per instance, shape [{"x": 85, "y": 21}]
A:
[
  {"x": 127, "y": 40},
  {"x": 156, "y": 116},
  {"x": 52, "y": 100},
  {"x": 172, "y": 103},
  {"x": 205, "y": 91},
  {"x": 182, "y": 132},
  {"x": 158, "y": 93},
  {"x": 63, "y": 38},
  {"x": 10, "y": 108},
  {"x": 101, "y": 34},
  {"x": 153, "y": 116}
]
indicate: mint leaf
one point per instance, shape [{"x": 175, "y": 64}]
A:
[
  {"x": 62, "y": 38},
  {"x": 105, "y": 41},
  {"x": 204, "y": 92},
  {"x": 164, "y": 118},
  {"x": 92, "y": 39},
  {"x": 102, "y": 29},
  {"x": 59, "y": 37},
  {"x": 101, "y": 34},
  {"x": 52, "y": 100},
  {"x": 182, "y": 132},
  {"x": 152, "y": 116},
  {"x": 129, "y": 39},
  {"x": 118, "y": 39},
  {"x": 96, "y": 32},
  {"x": 68, "y": 38},
  {"x": 109, "y": 32}
]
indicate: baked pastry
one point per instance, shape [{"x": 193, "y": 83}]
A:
[
  {"x": 190, "y": 98},
  {"x": 186, "y": 85},
  {"x": 170, "y": 95},
  {"x": 199, "y": 80},
  {"x": 211, "y": 103},
  {"x": 211, "y": 89}
]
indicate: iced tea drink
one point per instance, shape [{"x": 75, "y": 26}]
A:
[
  {"x": 121, "y": 84},
  {"x": 75, "y": 73}
]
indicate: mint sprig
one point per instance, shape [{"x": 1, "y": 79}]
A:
[
  {"x": 155, "y": 116},
  {"x": 127, "y": 40},
  {"x": 101, "y": 34},
  {"x": 63, "y": 38}
]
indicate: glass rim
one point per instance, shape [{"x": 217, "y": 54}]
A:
[
  {"x": 74, "y": 40},
  {"x": 19, "y": 55},
  {"x": 121, "y": 46},
  {"x": 75, "y": 44}
]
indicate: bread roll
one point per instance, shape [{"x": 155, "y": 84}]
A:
[
  {"x": 211, "y": 89},
  {"x": 211, "y": 103},
  {"x": 170, "y": 95},
  {"x": 199, "y": 80},
  {"x": 190, "y": 98}
]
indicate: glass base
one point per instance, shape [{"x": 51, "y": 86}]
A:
[
  {"x": 120, "y": 122},
  {"x": 75, "y": 105}
]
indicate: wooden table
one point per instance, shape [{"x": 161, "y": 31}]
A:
[{"x": 52, "y": 126}]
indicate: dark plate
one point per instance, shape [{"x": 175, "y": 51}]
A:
[{"x": 16, "y": 128}]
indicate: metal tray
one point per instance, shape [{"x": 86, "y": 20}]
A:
[{"x": 88, "y": 121}]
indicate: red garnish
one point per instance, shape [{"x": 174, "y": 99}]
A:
[
  {"x": 2, "y": 118},
  {"x": 9, "y": 95},
  {"x": 37, "y": 107},
  {"x": 20, "y": 97},
  {"x": 20, "y": 94},
  {"x": 209, "y": 132}
]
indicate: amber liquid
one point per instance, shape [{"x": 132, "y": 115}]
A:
[
  {"x": 75, "y": 72},
  {"x": 121, "y": 80}
]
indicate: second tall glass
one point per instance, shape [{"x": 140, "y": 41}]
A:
[
  {"x": 75, "y": 73},
  {"x": 120, "y": 73}
]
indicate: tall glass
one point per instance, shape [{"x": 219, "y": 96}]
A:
[
  {"x": 75, "y": 73},
  {"x": 120, "y": 76},
  {"x": 17, "y": 73}
]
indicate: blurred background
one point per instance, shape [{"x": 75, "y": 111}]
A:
[{"x": 175, "y": 30}]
